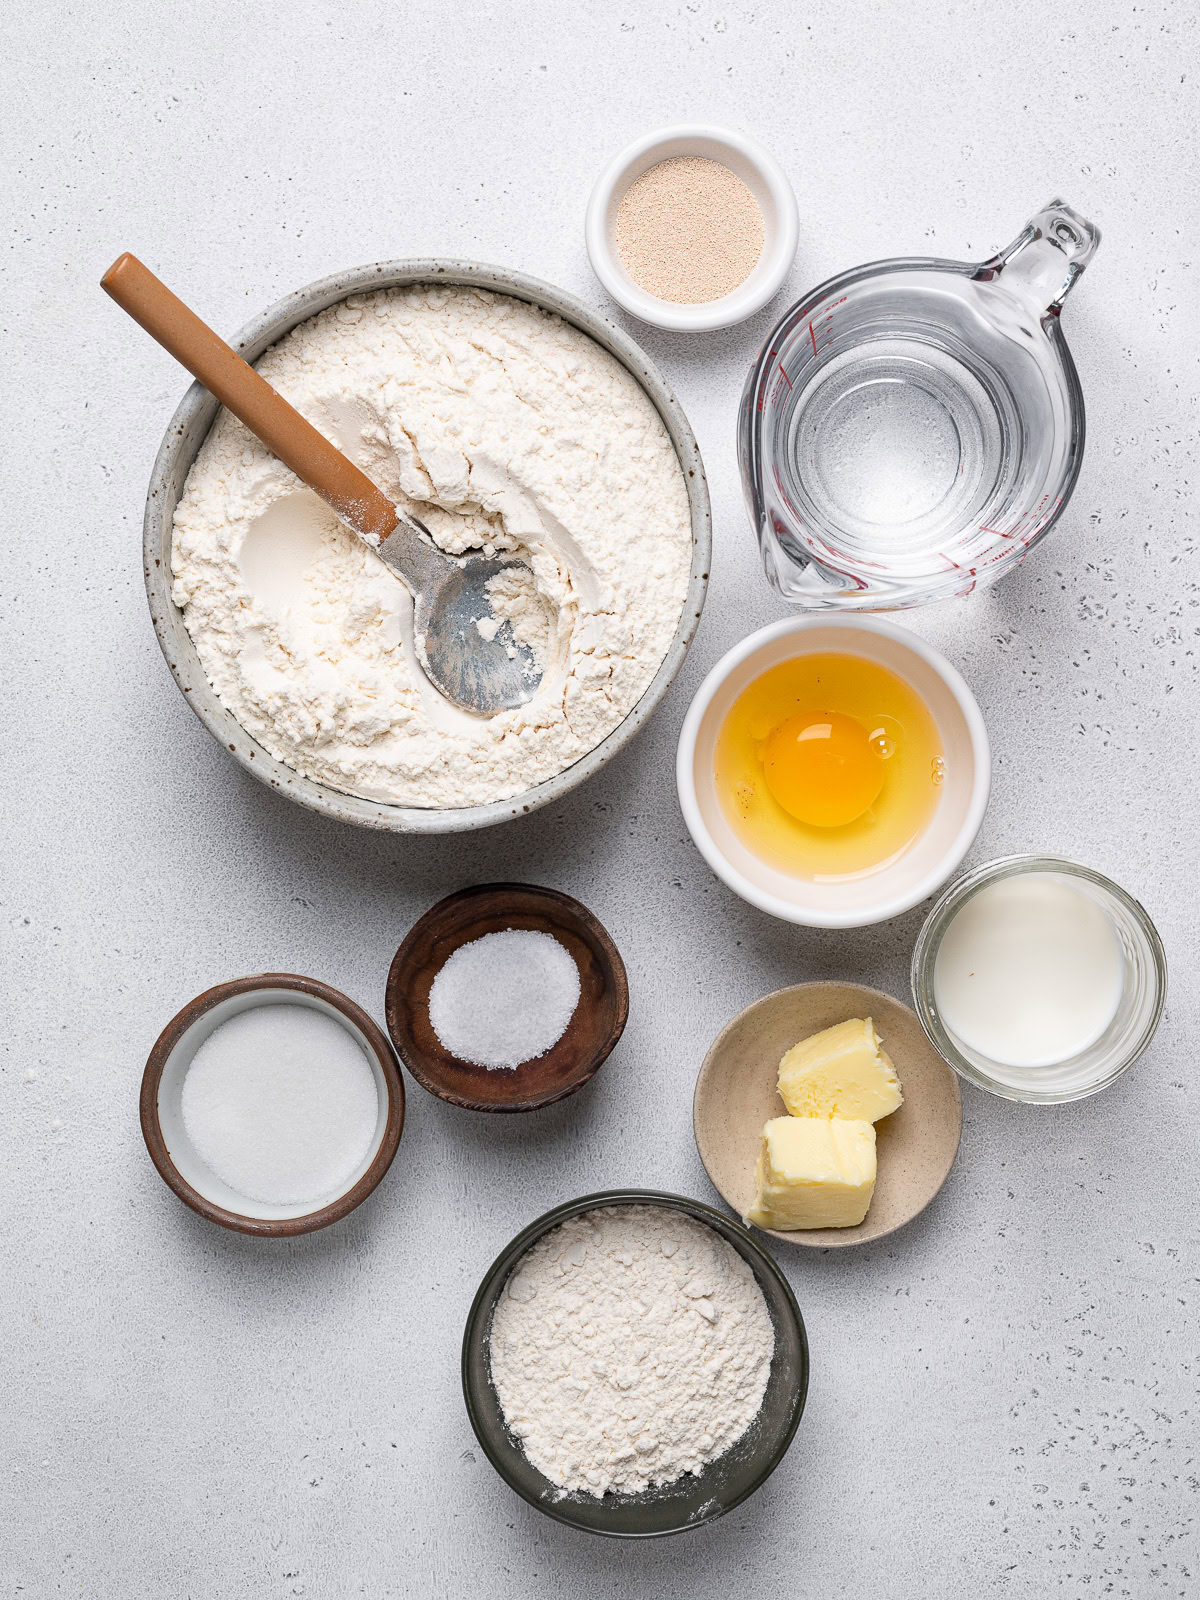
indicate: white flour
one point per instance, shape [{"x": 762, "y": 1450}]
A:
[
  {"x": 502, "y": 428},
  {"x": 630, "y": 1346}
]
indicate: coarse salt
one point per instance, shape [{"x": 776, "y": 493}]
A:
[
  {"x": 280, "y": 1102},
  {"x": 505, "y": 998}
]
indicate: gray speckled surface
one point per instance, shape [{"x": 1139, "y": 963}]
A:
[{"x": 1003, "y": 1395}]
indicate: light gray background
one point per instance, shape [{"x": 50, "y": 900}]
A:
[{"x": 1003, "y": 1395}]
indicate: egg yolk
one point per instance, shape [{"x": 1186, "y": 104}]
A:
[{"x": 822, "y": 768}]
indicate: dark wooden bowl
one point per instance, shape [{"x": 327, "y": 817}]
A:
[
  {"x": 597, "y": 1024},
  {"x": 174, "y": 1034}
]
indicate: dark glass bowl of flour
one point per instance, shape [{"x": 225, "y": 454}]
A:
[{"x": 718, "y": 1297}]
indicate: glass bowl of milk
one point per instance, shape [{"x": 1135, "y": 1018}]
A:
[{"x": 1039, "y": 979}]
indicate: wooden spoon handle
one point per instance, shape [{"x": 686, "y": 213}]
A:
[{"x": 310, "y": 455}]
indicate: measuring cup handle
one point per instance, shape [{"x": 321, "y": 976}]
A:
[{"x": 1043, "y": 262}]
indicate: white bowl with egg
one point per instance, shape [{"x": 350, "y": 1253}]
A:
[
  {"x": 748, "y": 160},
  {"x": 187, "y": 433},
  {"x": 925, "y": 865},
  {"x": 165, "y": 1124}
]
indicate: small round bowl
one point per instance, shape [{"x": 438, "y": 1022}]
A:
[
  {"x": 737, "y": 1091},
  {"x": 1125, "y": 1038},
  {"x": 951, "y": 830},
  {"x": 693, "y": 1499},
  {"x": 188, "y": 429},
  {"x": 766, "y": 181},
  {"x": 590, "y": 1036},
  {"x": 171, "y": 1150}
]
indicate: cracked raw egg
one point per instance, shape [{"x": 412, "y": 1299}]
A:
[{"x": 828, "y": 766}]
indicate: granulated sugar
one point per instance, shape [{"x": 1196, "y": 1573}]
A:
[
  {"x": 505, "y": 998},
  {"x": 689, "y": 230},
  {"x": 280, "y": 1102}
]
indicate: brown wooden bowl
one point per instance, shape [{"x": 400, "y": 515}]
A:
[
  {"x": 162, "y": 1124},
  {"x": 590, "y": 1036}
]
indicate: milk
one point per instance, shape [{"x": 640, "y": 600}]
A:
[{"x": 1030, "y": 972}]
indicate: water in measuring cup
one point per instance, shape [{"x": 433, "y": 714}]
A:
[{"x": 897, "y": 447}]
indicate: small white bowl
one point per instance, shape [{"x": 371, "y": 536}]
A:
[
  {"x": 925, "y": 867},
  {"x": 766, "y": 181}
]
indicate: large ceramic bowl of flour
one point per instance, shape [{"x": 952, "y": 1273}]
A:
[{"x": 507, "y": 415}]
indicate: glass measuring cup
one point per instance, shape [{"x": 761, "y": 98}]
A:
[{"x": 912, "y": 427}]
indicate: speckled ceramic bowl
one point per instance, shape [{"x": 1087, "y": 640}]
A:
[{"x": 188, "y": 429}]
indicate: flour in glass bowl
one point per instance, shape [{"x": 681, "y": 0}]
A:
[
  {"x": 629, "y": 1346},
  {"x": 504, "y": 429}
]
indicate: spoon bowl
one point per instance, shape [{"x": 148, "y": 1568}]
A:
[
  {"x": 480, "y": 671},
  {"x": 469, "y": 655}
]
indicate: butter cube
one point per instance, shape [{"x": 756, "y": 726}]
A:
[
  {"x": 841, "y": 1072},
  {"x": 814, "y": 1172}
]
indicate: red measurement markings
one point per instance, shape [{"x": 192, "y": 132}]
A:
[
  {"x": 820, "y": 328},
  {"x": 967, "y": 572},
  {"x": 992, "y": 557},
  {"x": 1029, "y": 525},
  {"x": 776, "y": 394}
]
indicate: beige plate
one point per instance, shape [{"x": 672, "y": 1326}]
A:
[{"x": 736, "y": 1092}]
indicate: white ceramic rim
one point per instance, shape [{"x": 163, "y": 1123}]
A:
[
  {"x": 189, "y": 427},
  {"x": 787, "y": 910},
  {"x": 779, "y": 247}
]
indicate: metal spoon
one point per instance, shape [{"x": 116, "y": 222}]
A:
[{"x": 479, "y": 674}]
